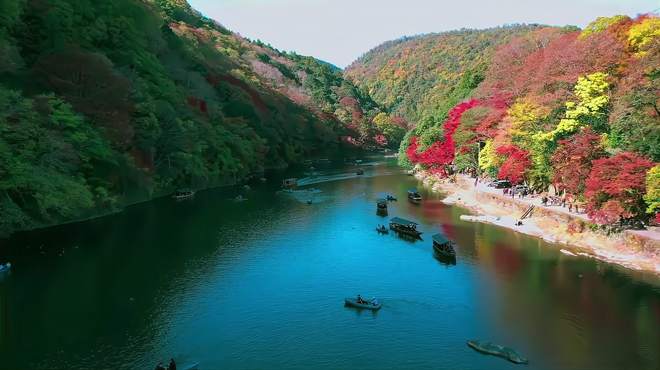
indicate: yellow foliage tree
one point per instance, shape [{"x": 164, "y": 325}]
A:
[
  {"x": 642, "y": 34},
  {"x": 652, "y": 196},
  {"x": 525, "y": 118},
  {"x": 381, "y": 119},
  {"x": 488, "y": 158},
  {"x": 591, "y": 91},
  {"x": 601, "y": 24}
]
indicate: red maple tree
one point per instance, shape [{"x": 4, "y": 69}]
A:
[
  {"x": 515, "y": 164},
  {"x": 441, "y": 153},
  {"x": 616, "y": 186},
  {"x": 572, "y": 160}
]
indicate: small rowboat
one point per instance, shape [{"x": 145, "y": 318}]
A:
[
  {"x": 352, "y": 302},
  {"x": 497, "y": 350}
]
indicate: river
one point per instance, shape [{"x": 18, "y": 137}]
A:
[{"x": 260, "y": 284}]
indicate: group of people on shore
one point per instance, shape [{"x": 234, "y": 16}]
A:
[
  {"x": 564, "y": 201},
  {"x": 546, "y": 200}
]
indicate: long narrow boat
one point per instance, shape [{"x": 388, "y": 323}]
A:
[
  {"x": 405, "y": 227},
  {"x": 183, "y": 194},
  {"x": 497, "y": 350},
  {"x": 352, "y": 302},
  {"x": 443, "y": 246}
]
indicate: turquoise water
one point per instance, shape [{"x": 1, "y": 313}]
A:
[{"x": 260, "y": 285}]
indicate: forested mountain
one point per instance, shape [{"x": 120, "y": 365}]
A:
[
  {"x": 420, "y": 78},
  {"x": 104, "y": 103},
  {"x": 577, "y": 109}
]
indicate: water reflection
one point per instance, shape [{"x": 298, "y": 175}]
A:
[{"x": 260, "y": 284}]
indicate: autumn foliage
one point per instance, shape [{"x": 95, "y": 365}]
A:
[
  {"x": 572, "y": 161},
  {"x": 564, "y": 107},
  {"x": 441, "y": 153},
  {"x": 616, "y": 186},
  {"x": 516, "y": 162}
]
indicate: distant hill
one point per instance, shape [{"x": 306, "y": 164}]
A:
[{"x": 422, "y": 77}]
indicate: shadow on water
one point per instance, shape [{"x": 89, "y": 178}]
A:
[{"x": 444, "y": 260}]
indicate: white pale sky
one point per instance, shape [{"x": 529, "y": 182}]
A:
[{"x": 339, "y": 31}]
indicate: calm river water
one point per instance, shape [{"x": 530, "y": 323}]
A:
[{"x": 260, "y": 285}]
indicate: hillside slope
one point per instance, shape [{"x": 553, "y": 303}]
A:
[
  {"x": 577, "y": 109},
  {"x": 422, "y": 77},
  {"x": 107, "y": 103}
]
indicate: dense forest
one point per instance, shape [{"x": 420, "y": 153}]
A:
[
  {"x": 577, "y": 110},
  {"x": 105, "y": 103}
]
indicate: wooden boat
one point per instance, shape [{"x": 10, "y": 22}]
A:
[
  {"x": 405, "y": 227},
  {"x": 443, "y": 246},
  {"x": 497, "y": 350},
  {"x": 352, "y": 302},
  {"x": 5, "y": 268},
  {"x": 414, "y": 196},
  {"x": 183, "y": 194}
]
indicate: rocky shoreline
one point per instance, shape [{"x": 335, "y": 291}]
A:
[{"x": 638, "y": 250}]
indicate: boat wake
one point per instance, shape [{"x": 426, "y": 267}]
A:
[
  {"x": 327, "y": 178},
  {"x": 309, "y": 196}
]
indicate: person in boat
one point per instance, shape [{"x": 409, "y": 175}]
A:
[
  {"x": 172, "y": 365},
  {"x": 374, "y": 301},
  {"x": 160, "y": 366},
  {"x": 359, "y": 299}
]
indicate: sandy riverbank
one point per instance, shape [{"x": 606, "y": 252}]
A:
[{"x": 639, "y": 250}]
